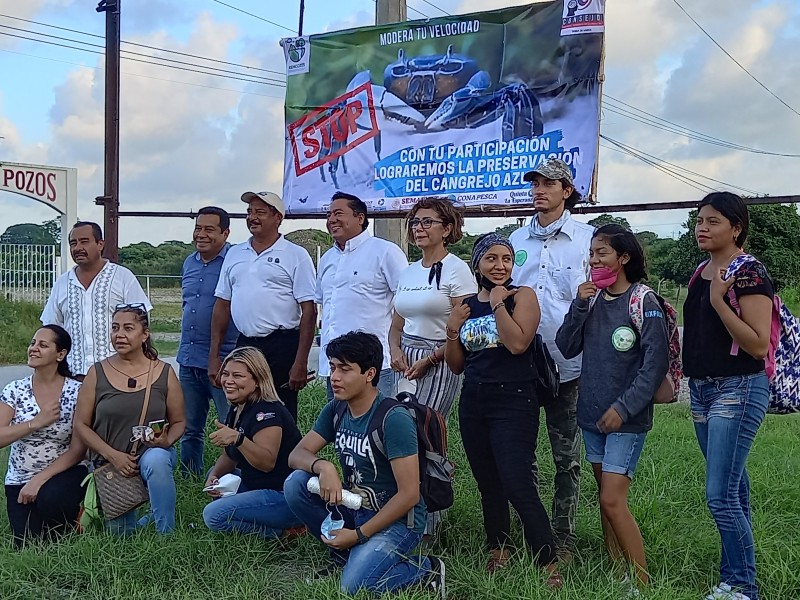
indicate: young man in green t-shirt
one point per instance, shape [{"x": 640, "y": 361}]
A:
[{"x": 374, "y": 545}]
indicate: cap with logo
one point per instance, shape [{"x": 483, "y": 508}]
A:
[
  {"x": 270, "y": 198},
  {"x": 552, "y": 168}
]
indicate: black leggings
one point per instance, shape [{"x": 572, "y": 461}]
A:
[
  {"x": 280, "y": 350},
  {"x": 499, "y": 423},
  {"x": 54, "y": 510}
]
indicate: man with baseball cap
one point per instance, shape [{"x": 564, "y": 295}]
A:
[
  {"x": 552, "y": 257},
  {"x": 267, "y": 286}
]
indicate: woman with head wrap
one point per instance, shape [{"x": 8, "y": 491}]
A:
[{"x": 489, "y": 339}]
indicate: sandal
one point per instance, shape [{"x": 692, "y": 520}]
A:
[
  {"x": 555, "y": 581},
  {"x": 498, "y": 559}
]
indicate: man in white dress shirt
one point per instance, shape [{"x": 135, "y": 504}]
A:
[
  {"x": 83, "y": 299},
  {"x": 552, "y": 257},
  {"x": 356, "y": 282},
  {"x": 267, "y": 286}
]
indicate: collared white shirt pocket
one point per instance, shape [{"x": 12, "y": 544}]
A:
[{"x": 565, "y": 283}]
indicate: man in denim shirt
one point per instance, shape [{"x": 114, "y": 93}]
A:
[{"x": 199, "y": 278}]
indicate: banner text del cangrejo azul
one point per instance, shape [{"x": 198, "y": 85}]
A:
[{"x": 458, "y": 107}]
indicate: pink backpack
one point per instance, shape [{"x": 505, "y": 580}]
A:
[
  {"x": 782, "y": 363},
  {"x": 669, "y": 389}
]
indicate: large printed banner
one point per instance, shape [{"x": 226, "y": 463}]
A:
[{"x": 460, "y": 107}]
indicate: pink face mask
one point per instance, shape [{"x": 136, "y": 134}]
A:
[{"x": 604, "y": 277}]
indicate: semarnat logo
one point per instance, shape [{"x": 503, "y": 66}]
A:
[{"x": 297, "y": 52}]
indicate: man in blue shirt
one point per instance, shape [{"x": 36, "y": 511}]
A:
[
  {"x": 375, "y": 542},
  {"x": 199, "y": 278}
]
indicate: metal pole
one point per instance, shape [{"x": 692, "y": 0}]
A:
[
  {"x": 391, "y": 11},
  {"x": 302, "y": 14},
  {"x": 110, "y": 198}
]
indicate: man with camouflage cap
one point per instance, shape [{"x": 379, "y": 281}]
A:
[{"x": 552, "y": 257}]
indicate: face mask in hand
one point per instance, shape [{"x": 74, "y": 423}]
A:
[
  {"x": 604, "y": 277},
  {"x": 331, "y": 522}
]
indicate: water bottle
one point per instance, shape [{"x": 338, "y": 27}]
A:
[{"x": 349, "y": 499}]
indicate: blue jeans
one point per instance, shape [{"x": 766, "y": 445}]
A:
[
  {"x": 261, "y": 512},
  {"x": 617, "y": 452},
  {"x": 385, "y": 384},
  {"x": 155, "y": 469},
  {"x": 197, "y": 390},
  {"x": 727, "y": 412},
  {"x": 382, "y": 564}
]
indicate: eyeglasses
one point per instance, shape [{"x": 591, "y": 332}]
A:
[
  {"x": 134, "y": 306},
  {"x": 424, "y": 223}
]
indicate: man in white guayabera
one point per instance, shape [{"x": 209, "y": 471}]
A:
[{"x": 84, "y": 298}]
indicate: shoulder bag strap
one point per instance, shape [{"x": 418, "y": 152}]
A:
[{"x": 145, "y": 404}]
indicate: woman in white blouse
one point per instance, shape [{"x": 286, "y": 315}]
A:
[
  {"x": 427, "y": 291},
  {"x": 43, "y": 480}
]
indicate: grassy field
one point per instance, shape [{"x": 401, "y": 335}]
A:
[
  {"x": 667, "y": 499},
  {"x": 21, "y": 319}
]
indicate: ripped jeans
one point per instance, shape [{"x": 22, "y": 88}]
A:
[{"x": 727, "y": 412}]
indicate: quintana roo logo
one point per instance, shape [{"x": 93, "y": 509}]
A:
[{"x": 297, "y": 50}]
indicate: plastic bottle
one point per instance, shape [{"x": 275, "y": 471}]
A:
[{"x": 349, "y": 499}]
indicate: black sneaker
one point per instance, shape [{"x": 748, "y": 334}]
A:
[{"x": 435, "y": 580}]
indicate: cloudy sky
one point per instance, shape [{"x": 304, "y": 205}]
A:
[{"x": 189, "y": 140}]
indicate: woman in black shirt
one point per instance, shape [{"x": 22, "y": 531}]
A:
[
  {"x": 727, "y": 319},
  {"x": 489, "y": 339},
  {"x": 257, "y": 437}
]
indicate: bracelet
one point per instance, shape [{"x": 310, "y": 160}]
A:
[
  {"x": 240, "y": 440},
  {"x": 447, "y": 333},
  {"x": 498, "y": 305},
  {"x": 432, "y": 360},
  {"x": 30, "y": 427},
  {"x": 316, "y": 460}
]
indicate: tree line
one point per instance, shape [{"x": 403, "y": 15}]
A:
[{"x": 774, "y": 238}]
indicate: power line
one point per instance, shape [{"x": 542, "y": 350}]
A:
[
  {"x": 172, "y": 60},
  {"x": 740, "y": 65},
  {"x": 660, "y": 160},
  {"x": 210, "y": 87},
  {"x": 419, "y": 12},
  {"x": 437, "y": 7},
  {"x": 156, "y": 48},
  {"x": 665, "y": 125},
  {"x": 253, "y": 15},
  {"x": 246, "y": 79},
  {"x": 683, "y": 179}
]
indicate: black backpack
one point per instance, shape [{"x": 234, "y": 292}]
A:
[{"x": 435, "y": 470}]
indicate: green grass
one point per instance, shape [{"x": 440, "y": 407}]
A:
[
  {"x": 667, "y": 499},
  {"x": 19, "y": 322}
]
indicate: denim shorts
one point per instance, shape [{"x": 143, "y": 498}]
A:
[{"x": 617, "y": 452}]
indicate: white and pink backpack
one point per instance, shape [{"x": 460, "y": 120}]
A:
[{"x": 782, "y": 363}]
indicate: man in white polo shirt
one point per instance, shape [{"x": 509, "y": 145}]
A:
[
  {"x": 267, "y": 286},
  {"x": 552, "y": 257},
  {"x": 356, "y": 282}
]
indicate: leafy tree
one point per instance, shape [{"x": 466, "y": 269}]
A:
[
  {"x": 311, "y": 239},
  {"x": 28, "y": 233},
  {"x": 606, "y": 219},
  {"x": 53, "y": 227}
]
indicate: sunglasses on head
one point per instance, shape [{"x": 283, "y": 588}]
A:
[{"x": 134, "y": 305}]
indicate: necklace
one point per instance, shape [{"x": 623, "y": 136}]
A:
[
  {"x": 131, "y": 380},
  {"x": 610, "y": 295}
]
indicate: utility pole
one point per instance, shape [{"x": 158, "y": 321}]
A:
[
  {"x": 391, "y": 11},
  {"x": 110, "y": 198},
  {"x": 302, "y": 15}
]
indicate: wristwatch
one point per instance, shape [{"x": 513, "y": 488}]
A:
[
  {"x": 240, "y": 440},
  {"x": 361, "y": 537}
]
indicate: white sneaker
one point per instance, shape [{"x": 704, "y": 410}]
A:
[{"x": 724, "y": 592}]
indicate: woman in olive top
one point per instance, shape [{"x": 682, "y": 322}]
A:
[{"x": 110, "y": 404}]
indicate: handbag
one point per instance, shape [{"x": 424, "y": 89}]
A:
[
  {"x": 119, "y": 494},
  {"x": 547, "y": 377}
]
